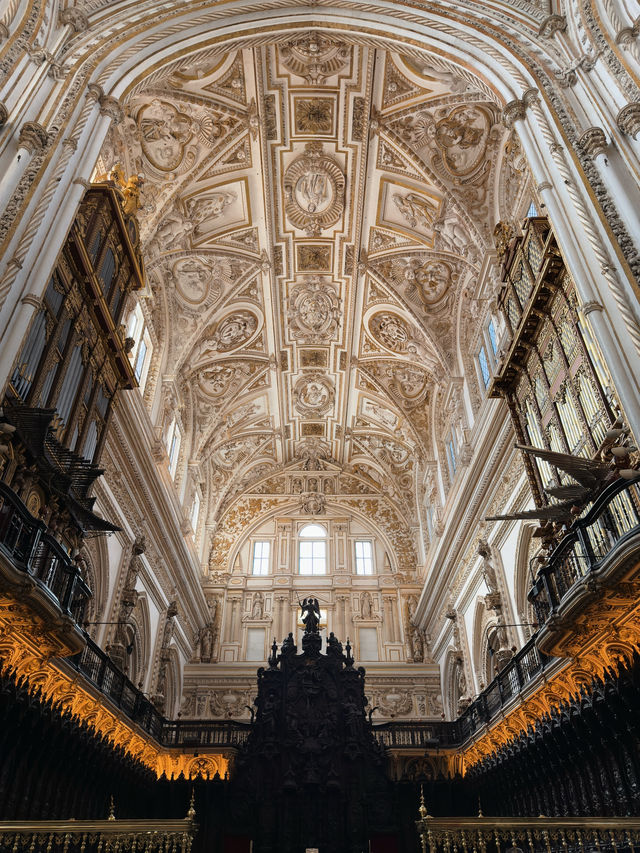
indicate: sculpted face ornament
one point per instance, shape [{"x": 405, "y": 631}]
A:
[
  {"x": 314, "y": 191},
  {"x": 431, "y": 279},
  {"x": 314, "y": 311},
  {"x": 313, "y": 394}
]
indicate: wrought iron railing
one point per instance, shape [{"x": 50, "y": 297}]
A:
[
  {"x": 96, "y": 665},
  {"x": 215, "y": 734},
  {"x": 523, "y": 668},
  {"x": 31, "y": 549},
  {"x": 533, "y": 834},
  {"x": 582, "y": 553},
  {"x": 416, "y": 735}
]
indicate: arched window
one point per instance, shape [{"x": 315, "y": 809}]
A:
[{"x": 312, "y": 550}]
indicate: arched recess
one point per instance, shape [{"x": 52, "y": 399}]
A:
[
  {"x": 451, "y": 683},
  {"x": 173, "y": 686},
  {"x": 484, "y": 642},
  {"x": 523, "y": 578},
  {"x": 139, "y": 632},
  {"x": 94, "y": 564}
]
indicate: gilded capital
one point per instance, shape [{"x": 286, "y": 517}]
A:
[
  {"x": 33, "y": 137},
  {"x": 628, "y": 119},
  {"x": 594, "y": 141}
]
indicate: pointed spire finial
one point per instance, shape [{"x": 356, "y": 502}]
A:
[
  {"x": 112, "y": 809},
  {"x": 192, "y": 805},
  {"x": 422, "y": 811}
]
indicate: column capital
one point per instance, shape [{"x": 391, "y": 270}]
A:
[
  {"x": 516, "y": 110},
  {"x": 594, "y": 141},
  {"x": 628, "y": 119}
]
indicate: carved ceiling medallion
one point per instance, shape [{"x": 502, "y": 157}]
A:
[
  {"x": 164, "y": 134},
  {"x": 195, "y": 280},
  {"x": 391, "y": 331},
  {"x": 315, "y": 57},
  {"x": 314, "y": 190},
  {"x": 313, "y": 394},
  {"x": 228, "y": 334},
  {"x": 314, "y": 311}
]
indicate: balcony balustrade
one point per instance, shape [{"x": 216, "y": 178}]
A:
[
  {"x": 31, "y": 549},
  {"x": 585, "y": 559}
]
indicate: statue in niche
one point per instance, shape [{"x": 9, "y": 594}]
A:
[
  {"x": 257, "y": 610},
  {"x": 297, "y": 486},
  {"x": 366, "y": 606},
  {"x": 488, "y": 569},
  {"x": 206, "y": 640}
]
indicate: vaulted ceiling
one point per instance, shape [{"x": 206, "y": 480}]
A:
[{"x": 316, "y": 216}]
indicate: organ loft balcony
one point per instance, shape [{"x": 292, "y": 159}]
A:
[
  {"x": 580, "y": 459},
  {"x": 55, "y": 417}
]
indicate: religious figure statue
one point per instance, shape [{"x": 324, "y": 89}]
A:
[
  {"x": 311, "y": 620},
  {"x": 257, "y": 610}
]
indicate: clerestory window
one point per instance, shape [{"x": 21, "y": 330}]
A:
[
  {"x": 312, "y": 553},
  {"x": 260, "y": 565}
]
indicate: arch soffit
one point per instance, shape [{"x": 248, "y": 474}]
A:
[{"x": 130, "y": 51}]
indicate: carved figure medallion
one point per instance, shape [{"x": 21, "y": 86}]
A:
[
  {"x": 164, "y": 134},
  {"x": 314, "y": 311},
  {"x": 431, "y": 279},
  {"x": 313, "y": 394},
  {"x": 314, "y": 190}
]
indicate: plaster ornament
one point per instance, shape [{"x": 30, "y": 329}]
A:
[
  {"x": 380, "y": 413},
  {"x": 313, "y": 394},
  {"x": 313, "y": 503},
  {"x": 315, "y": 57},
  {"x": 410, "y": 380},
  {"x": 192, "y": 277},
  {"x": 314, "y": 311},
  {"x": 461, "y": 139},
  {"x": 314, "y": 190},
  {"x": 452, "y": 81},
  {"x": 228, "y": 334},
  {"x": 418, "y": 211},
  {"x": 451, "y": 234},
  {"x": 312, "y": 454},
  {"x": 218, "y": 380},
  {"x": 172, "y": 232},
  {"x": 432, "y": 279},
  {"x": 210, "y": 208},
  {"x": 164, "y": 134},
  {"x": 393, "y": 332}
]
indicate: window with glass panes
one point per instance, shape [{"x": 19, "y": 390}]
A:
[
  {"x": 260, "y": 564},
  {"x": 364, "y": 557},
  {"x": 312, "y": 550}
]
